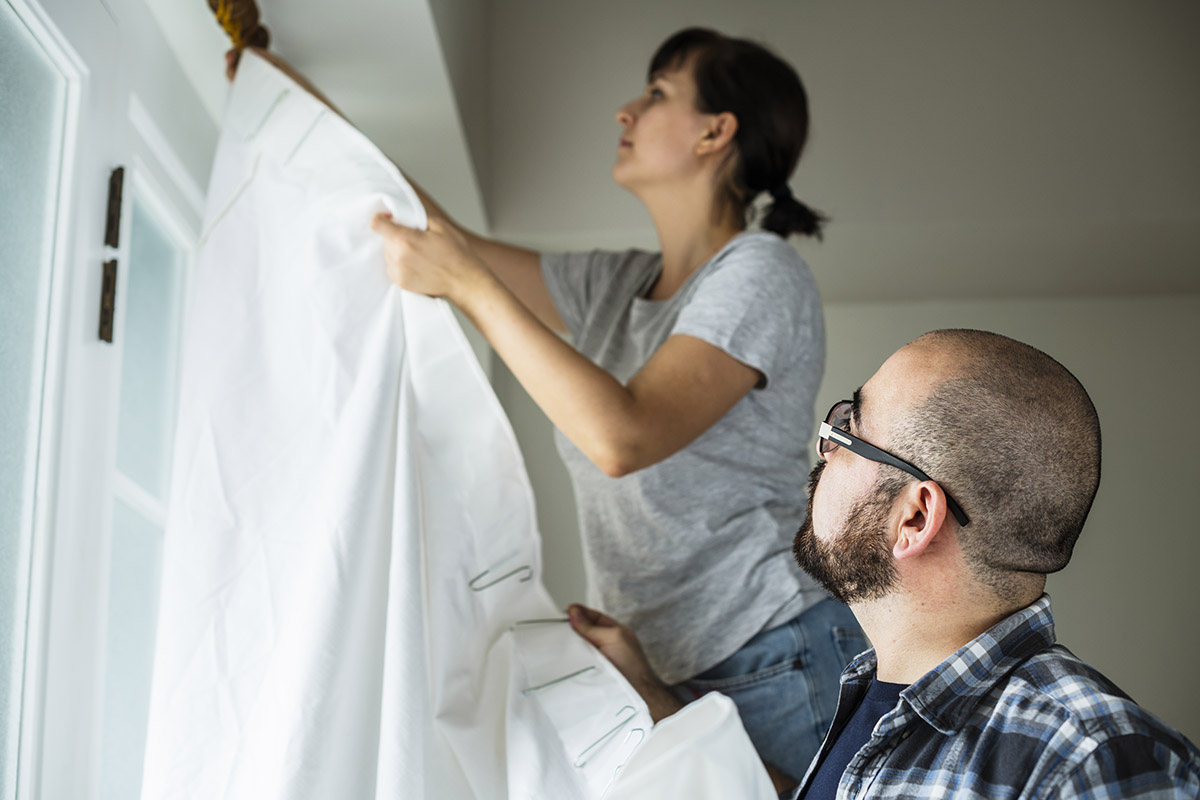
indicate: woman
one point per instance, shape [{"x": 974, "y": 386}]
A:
[{"x": 685, "y": 405}]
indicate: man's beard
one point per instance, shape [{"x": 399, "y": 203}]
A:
[{"x": 856, "y": 564}]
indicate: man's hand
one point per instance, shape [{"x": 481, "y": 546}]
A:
[{"x": 620, "y": 646}]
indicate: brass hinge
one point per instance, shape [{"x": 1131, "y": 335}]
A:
[
  {"x": 112, "y": 239},
  {"x": 112, "y": 224},
  {"x": 108, "y": 300}
]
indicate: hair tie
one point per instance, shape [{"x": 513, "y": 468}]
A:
[{"x": 782, "y": 192}]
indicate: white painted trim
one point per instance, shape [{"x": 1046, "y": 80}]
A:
[
  {"x": 184, "y": 235},
  {"x": 180, "y": 224},
  {"x": 147, "y": 505},
  {"x": 164, "y": 157},
  {"x": 60, "y": 729},
  {"x": 50, "y": 409}
]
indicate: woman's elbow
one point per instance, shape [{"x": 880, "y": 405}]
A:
[
  {"x": 618, "y": 459},
  {"x": 615, "y": 468}
]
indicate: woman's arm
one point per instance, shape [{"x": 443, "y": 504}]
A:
[
  {"x": 518, "y": 268},
  {"x": 685, "y": 387}
]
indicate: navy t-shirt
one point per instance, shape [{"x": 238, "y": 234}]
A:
[{"x": 880, "y": 699}]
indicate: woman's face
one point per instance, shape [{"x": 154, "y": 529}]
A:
[{"x": 661, "y": 131}]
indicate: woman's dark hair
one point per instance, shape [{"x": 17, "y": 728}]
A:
[{"x": 768, "y": 99}]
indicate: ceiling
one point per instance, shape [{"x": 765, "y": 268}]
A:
[{"x": 998, "y": 150}]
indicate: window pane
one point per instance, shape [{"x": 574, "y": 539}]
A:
[
  {"x": 132, "y": 615},
  {"x": 33, "y": 98},
  {"x": 152, "y": 311}
]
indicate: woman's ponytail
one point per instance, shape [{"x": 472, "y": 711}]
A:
[{"x": 787, "y": 215}]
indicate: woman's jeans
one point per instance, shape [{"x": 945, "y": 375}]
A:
[{"x": 785, "y": 683}]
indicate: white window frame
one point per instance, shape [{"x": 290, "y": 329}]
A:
[{"x": 162, "y": 185}]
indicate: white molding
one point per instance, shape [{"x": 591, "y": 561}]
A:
[
  {"x": 37, "y": 585},
  {"x": 145, "y": 504},
  {"x": 163, "y": 156}
]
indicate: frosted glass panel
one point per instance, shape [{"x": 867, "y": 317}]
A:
[
  {"x": 152, "y": 311},
  {"x": 132, "y": 614},
  {"x": 32, "y": 110}
]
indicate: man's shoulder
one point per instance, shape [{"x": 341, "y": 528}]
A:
[
  {"x": 1064, "y": 687},
  {"x": 1081, "y": 727}
]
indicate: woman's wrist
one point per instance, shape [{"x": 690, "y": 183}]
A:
[{"x": 474, "y": 288}]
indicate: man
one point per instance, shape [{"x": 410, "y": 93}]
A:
[{"x": 957, "y": 478}]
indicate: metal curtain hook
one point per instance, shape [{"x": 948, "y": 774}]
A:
[
  {"x": 525, "y": 623},
  {"x": 474, "y": 582},
  {"x": 567, "y": 677},
  {"x": 621, "y": 766},
  {"x": 587, "y": 754}
]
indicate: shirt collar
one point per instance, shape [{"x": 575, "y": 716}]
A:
[{"x": 946, "y": 695}]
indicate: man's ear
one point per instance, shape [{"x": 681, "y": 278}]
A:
[
  {"x": 719, "y": 134},
  {"x": 922, "y": 510}
]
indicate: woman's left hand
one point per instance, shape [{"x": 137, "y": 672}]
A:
[{"x": 436, "y": 262}]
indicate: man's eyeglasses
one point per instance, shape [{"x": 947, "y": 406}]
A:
[{"x": 835, "y": 433}]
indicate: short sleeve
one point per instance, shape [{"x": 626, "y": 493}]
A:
[
  {"x": 759, "y": 304},
  {"x": 574, "y": 281}
]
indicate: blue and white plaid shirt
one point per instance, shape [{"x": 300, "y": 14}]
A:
[{"x": 1012, "y": 715}]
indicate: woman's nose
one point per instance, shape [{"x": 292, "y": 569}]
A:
[{"x": 624, "y": 116}]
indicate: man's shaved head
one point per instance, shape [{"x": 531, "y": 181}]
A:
[{"x": 1012, "y": 435}]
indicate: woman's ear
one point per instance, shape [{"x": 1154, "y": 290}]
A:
[{"x": 719, "y": 134}]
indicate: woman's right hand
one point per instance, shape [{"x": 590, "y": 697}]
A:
[
  {"x": 436, "y": 261},
  {"x": 232, "y": 57},
  {"x": 433, "y": 211}
]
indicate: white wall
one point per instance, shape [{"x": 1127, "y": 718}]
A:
[
  {"x": 462, "y": 27},
  {"x": 1048, "y": 144},
  {"x": 562, "y": 554},
  {"x": 1126, "y": 603}
]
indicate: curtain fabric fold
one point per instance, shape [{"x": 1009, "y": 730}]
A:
[{"x": 351, "y": 544}]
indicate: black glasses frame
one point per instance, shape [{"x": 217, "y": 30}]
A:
[{"x": 832, "y": 437}]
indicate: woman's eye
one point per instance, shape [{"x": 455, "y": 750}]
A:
[{"x": 654, "y": 94}]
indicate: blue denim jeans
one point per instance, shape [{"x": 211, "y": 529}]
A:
[{"x": 784, "y": 682}]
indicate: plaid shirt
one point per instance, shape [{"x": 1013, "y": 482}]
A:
[{"x": 1011, "y": 715}]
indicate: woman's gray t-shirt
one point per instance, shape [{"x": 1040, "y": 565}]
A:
[{"x": 695, "y": 552}]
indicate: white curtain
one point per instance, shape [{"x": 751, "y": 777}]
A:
[
  {"x": 352, "y": 579},
  {"x": 699, "y": 753}
]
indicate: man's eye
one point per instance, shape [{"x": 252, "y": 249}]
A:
[{"x": 655, "y": 94}]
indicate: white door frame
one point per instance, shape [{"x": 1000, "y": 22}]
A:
[{"x": 106, "y": 50}]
